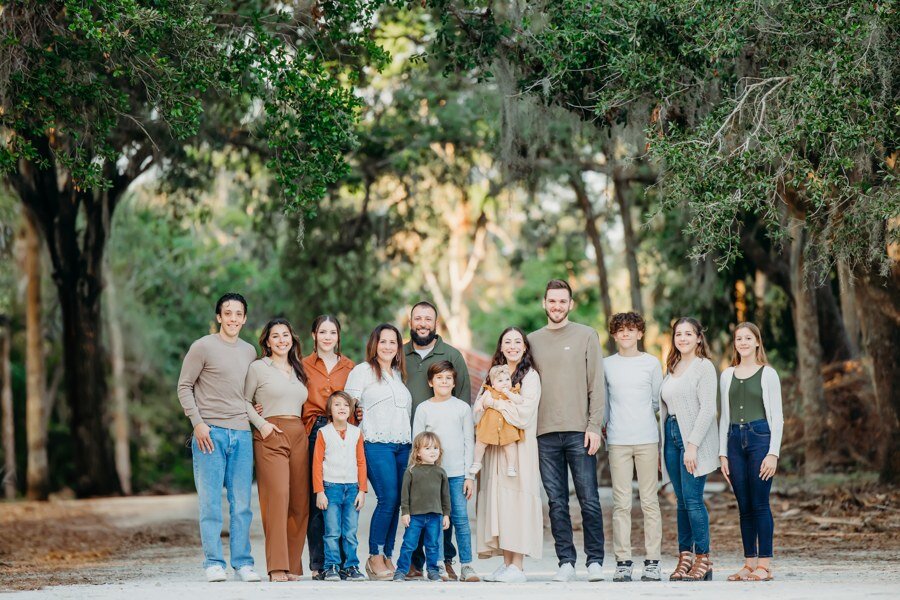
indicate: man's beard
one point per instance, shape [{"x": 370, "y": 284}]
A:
[
  {"x": 423, "y": 340},
  {"x": 560, "y": 320}
]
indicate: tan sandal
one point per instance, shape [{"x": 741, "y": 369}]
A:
[
  {"x": 377, "y": 575},
  {"x": 278, "y": 576},
  {"x": 685, "y": 562},
  {"x": 701, "y": 570},
  {"x": 754, "y": 577},
  {"x": 738, "y": 577}
]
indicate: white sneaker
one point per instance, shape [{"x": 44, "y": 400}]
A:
[
  {"x": 565, "y": 573},
  {"x": 595, "y": 572},
  {"x": 497, "y": 572},
  {"x": 247, "y": 574},
  {"x": 511, "y": 472},
  {"x": 215, "y": 573},
  {"x": 512, "y": 574}
]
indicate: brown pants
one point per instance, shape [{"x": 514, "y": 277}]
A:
[{"x": 282, "y": 475}]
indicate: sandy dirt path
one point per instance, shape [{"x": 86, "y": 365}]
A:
[{"x": 158, "y": 558}]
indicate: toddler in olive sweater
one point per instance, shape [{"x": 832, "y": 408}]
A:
[{"x": 424, "y": 505}]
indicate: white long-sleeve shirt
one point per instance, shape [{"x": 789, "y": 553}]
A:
[
  {"x": 451, "y": 420},
  {"x": 386, "y": 404},
  {"x": 632, "y": 397}
]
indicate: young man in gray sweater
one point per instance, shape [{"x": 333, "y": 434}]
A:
[
  {"x": 570, "y": 416},
  {"x": 211, "y": 391}
]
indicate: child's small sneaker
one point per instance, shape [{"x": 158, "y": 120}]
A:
[
  {"x": 436, "y": 576},
  {"x": 468, "y": 574},
  {"x": 511, "y": 472},
  {"x": 398, "y": 576},
  {"x": 651, "y": 571},
  {"x": 215, "y": 574},
  {"x": 623, "y": 570},
  {"x": 332, "y": 574},
  {"x": 475, "y": 468},
  {"x": 248, "y": 574},
  {"x": 354, "y": 574}
]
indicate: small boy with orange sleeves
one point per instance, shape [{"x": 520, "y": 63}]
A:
[{"x": 339, "y": 482}]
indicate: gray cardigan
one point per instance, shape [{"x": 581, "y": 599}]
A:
[
  {"x": 695, "y": 407},
  {"x": 771, "y": 389}
]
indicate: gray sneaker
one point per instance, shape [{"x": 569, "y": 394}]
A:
[
  {"x": 623, "y": 571},
  {"x": 468, "y": 574},
  {"x": 651, "y": 571},
  {"x": 435, "y": 576}
]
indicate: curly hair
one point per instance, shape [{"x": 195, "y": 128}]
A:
[{"x": 626, "y": 320}]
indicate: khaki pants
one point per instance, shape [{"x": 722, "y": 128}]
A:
[
  {"x": 623, "y": 460},
  {"x": 282, "y": 475}
]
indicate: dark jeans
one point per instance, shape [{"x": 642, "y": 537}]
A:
[
  {"x": 315, "y": 532},
  {"x": 560, "y": 452},
  {"x": 429, "y": 525},
  {"x": 693, "y": 520},
  {"x": 385, "y": 464},
  {"x": 748, "y": 445}
]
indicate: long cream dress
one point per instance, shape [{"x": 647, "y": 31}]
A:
[{"x": 508, "y": 514}]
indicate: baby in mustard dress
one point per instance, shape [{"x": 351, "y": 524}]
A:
[{"x": 493, "y": 429}]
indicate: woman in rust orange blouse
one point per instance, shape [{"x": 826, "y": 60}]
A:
[{"x": 327, "y": 370}]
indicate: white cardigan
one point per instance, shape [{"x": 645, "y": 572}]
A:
[{"x": 771, "y": 393}]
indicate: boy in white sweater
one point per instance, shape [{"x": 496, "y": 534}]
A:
[
  {"x": 451, "y": 420},
  {"x": 633, "y": 382},
  {"x": 339, "y": 482}
]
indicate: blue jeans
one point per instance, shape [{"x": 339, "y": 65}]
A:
[
  {"x": 341, "y": 519},
  {"x": 430, "y": 525},
  {"x": 748, "y": 445},
  {"x": 556, "y": 452},
  {"x": 230, "y": 464},
  {"x": 693, "y": 520},
  {"x": 385, "y": 464},
  {"x": 459, "y": 520}
]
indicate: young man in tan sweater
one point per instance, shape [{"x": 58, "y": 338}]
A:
[
  {"x": 570, "y": 416},
  {"x": 211, "y": 391}
]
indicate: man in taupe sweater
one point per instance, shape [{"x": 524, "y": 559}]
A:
[
  {"x": 573, "y": 400},
  {"x": 211, "y": 391}
]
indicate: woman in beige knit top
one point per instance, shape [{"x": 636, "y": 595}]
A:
[{"x": 690, "y": 442}]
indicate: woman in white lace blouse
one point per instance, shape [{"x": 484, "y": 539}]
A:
[{"x": 377, "y": 384}]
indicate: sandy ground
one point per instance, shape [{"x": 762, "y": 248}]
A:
[{"x": 148, "y": 547}]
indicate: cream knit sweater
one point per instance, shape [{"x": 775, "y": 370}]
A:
[{"x": 694, "y": 404}]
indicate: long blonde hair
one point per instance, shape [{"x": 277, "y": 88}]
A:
[
  {"x": 422, "y": 440},
  {"x": 760, "y": 350}
]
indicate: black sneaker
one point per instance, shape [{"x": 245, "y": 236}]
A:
[
  {"x": 434, "y": 576},
  {"x": 331, "y": 574},
  {"x": 343, "y": 574},
  {"x": 353, "y": 574},
  {"x": 623, "y": 570}
]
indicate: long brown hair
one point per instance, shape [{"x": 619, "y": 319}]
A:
[
  {"x": 399, "y": 361},
  {"x": 760, "y": 350},
  {"x": 702, "y": 350},
  {"x": 525, "y": 364},
  {"x": 315, "y": 328},
  {"x": 294, "y": 354}
]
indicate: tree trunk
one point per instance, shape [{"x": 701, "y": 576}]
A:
[
  {"x": 809, "y": 353},
  {"x": 593, "y": 235},
  {"x": 622, "y": 192},
  {"x": 878, "y": 304},
  {"x": 36, "y": 405},
  {"x": 849, "y": 312},
  {"x": 121, "y": 435},
  {"x": 833, "y": 335},
  {"x": 6, "y": 410}
]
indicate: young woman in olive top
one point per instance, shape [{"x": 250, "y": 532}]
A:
[{"x": 750, "y": 429}]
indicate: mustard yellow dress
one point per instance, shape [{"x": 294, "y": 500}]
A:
[{"x": 493, "y": 429}]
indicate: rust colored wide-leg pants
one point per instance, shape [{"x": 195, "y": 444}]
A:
[{"x": 282, "y": 475}]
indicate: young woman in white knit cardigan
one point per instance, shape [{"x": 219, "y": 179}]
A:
[
  {"x": 750, "y": 429},
  {"x": 690, "y": 441}
]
